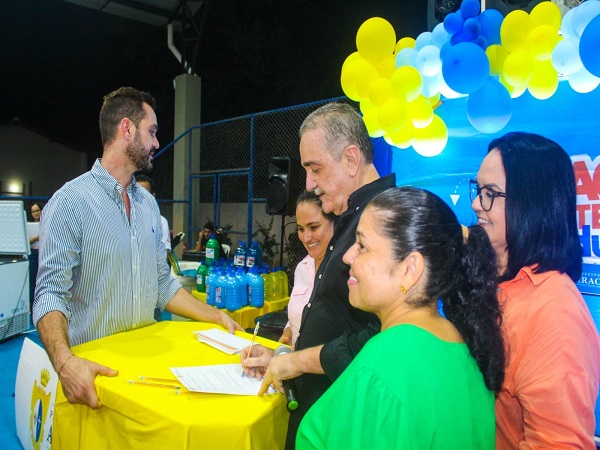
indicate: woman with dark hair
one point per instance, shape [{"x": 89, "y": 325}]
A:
[
  {"x": 425, "y": 381},
  {"x": 524, "y": 198},
  {"x": 315, "y": 229}
]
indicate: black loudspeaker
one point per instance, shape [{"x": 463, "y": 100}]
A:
[{"x": 283, "y": 185}]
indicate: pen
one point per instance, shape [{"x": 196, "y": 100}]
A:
[
  {"x": 149, "y": 383},
  {"x": 252, "y": 343}
]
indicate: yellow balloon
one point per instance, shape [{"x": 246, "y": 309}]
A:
[
  {"x": 435, "y": 101},
  {"x": 407, "y": 83},
  {"x": 366, "y": 105},
  {"x": 403, "y": 137},
  {"x": 544, "y": 82},
  {"x": 392, "y": 115},
  {"x": 515, "y": 92},
  {"x": 386, "y": 67},
  {"x": 356, "y": 79},
  {"x": 514, "y": 30},
  {"x": 420, "y": 112},
  {"x": 405, "y": 42},
  {"x": 546, "y": 13},
  {"x": 542, "y": 40},
  {"x": 516, "y": 69},
  {"x": 375, "y": 39},
  {"x": 496, "y": 55},
  {"x": 432, "y": 140},
  {"x": 380, "y": 91},
  {"x": 351, "y": 57},
  {"x": 372, "y": 123}
]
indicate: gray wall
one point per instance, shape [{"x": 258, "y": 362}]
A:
[{"x": 26, "y": 156}]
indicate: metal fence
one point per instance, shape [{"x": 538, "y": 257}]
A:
[
  {"x": 227, "y": 180},
  {"x": 227, "y": 183}
]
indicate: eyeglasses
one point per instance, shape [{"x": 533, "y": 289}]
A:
[{"x": 486, "y": 195}]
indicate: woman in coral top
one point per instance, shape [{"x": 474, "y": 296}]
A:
[{"x": 524, "y": 197}]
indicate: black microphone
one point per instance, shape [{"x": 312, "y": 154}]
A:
[{"x": 288, "y": 390}]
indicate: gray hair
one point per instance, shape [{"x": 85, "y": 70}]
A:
[{"x": 343, "y": 126}]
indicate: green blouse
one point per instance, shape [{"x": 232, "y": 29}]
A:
[{"x": 406, "y": 389}]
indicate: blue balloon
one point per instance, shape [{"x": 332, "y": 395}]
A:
[
  {"x": 588, "y": 47},
  {"x": 491, "y": 21},
  {"x": 469, "y": 9},
  {"x": 490, "y": 108},
  {"x": 471, "y": 28},
  {"x": 465, "y": 68},
  {"x": 453, "y": 23},
  {"x": 459, "y": 37}
]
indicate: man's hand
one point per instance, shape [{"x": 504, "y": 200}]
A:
[
  {"x": 77, "y": 378},
  {"x": 282, "y": 367},
  {"x": 255, "y": 364},
  {"x": 229, "y": 324}
]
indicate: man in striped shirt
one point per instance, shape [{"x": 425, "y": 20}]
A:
[{"x": 103, "y": 266}]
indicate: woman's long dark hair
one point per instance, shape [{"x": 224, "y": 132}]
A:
[
  {"x": 541, "y": 221},
  {"x": 461, "y": 271}
]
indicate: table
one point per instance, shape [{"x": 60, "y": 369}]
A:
[
  {"x": 246, "y": 315},
  {"x": 148, "y": 417}
]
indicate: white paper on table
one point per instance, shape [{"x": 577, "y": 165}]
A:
[
  {"x": 221, "y": 340},
  {"x": 218, "y": 379}
]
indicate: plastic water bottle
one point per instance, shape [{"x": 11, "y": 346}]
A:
[
  {"x": 220, "y": 288},
  {"x": 256, "y": 288},
  {"x": 212, "y": 249},
  {"x": 232, "y": 293},
  {"x": 201, "y": 274},
  {"x": 285, "y": 282},
  {"x": 251, "y": 255},
  {"x": 211, "y": 286},
  {"x": 243, "y": 286},
  {"x": 280, "y": 283},
  {"x": 239, "y": 257},
  {"x": 268, "y": 283}
]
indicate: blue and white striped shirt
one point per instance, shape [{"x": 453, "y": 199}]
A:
[{"x": 105, "y": 273}]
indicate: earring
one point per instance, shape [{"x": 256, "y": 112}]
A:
[{"x": 403, "y": 290}]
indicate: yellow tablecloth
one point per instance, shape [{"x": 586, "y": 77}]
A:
[
  {"x": 245, "y": 316},
  {"x": 150, "y": 417}
]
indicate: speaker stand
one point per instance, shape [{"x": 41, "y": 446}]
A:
[{"x": 281, "y": 240}]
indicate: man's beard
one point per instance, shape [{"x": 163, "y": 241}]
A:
[{"x": 135, "y": 152}]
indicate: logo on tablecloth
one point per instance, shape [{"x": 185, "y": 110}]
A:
[{"x": 40, "y": 409}]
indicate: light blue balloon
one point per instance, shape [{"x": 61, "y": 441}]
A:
[
  {"x": 582, "y": 81},
  {"x": 406, "y": 57},
  {"x": 423, "y": 40},
  {"x": 584, "y": 14},
  {"x": 465, "y": 68},
  {"x": 428, "y": 61},
  {"x": 489, "y": 108},
  {"x": 565, "y": 57},
  {"x": 439, "y": 36},
  {"x": 430, "y": 86},
  {"x": 566, "y": 26}
]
